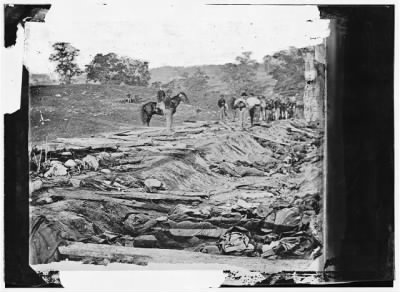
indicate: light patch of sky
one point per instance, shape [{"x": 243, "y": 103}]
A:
[{"x": 174, "y": 33}]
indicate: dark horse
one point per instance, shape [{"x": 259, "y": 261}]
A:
[
  {"x": 169, "y": 103},
  {"x": 148, "y": 110}
]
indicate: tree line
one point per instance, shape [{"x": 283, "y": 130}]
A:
[
  {"x": 286, "y": 67},
  {"x": 106, "y": 69}
]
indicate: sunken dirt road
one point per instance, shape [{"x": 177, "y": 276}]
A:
[{"x": 210, "y": 192}]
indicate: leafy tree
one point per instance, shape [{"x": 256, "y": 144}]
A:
[
  {"x": 64, "y": 57},
  {"x": 156, "y": 84},
  {"x": 111, "y": 68},
  {"x": 102, "y": 68},
  {"x": 287, "y": 67},
  {"x": 241, "y": 76}
]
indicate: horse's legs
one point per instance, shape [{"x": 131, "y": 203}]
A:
[
  {"x": 168, "y": 115},
  {"x": 241, "y": 117},
  {"x": 148, "y": 119},
  {"x": 172, "y": 121}
]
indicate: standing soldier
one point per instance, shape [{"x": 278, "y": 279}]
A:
[
  {"x": 283, "y": 109},
  {"x": 263, "y": 107},
  {"x": 276, "y": 108},
  {"x": 222, "y": 107},
  {"x": 129, "y": 98},
  {"x": 292, "y": 106},
  {"x": 240, "y": 104},
  {"x": 253, "y": 104},
  {"x": 269, "y": 110},
  {"x": 232, "y": 107}
]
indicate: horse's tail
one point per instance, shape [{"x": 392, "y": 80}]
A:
[{"x": 143, "y": 114}]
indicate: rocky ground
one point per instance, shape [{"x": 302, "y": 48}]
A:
[{"x": 210, "y": 190}]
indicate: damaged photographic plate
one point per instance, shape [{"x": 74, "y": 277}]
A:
[{"x": 178, "y": 141}]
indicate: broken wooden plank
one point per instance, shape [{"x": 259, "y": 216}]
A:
[
  {"x": 167, "y": 193},
  {"x": 80, "y": 250},
  {"x": 185, "y": 193},
  {"x": 211, "y": 233},
  {"x": 190, "y": 131},
  {"x": 77, "y": 194},
  {"x": 100, "y": 143},
  {"x": 148, "y": 196},
  {"x": 268, "y": 139},
  {"x": 227, "y": 126}
]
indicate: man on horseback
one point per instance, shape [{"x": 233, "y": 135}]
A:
[
  {"x": 160, "y": 99},
  {"x": 171, "y": 104}
]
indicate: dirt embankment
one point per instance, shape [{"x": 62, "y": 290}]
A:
[{"x": 208, "y": 188}]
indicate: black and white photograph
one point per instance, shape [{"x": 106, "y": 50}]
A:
[{"x": 218, "y": 138}]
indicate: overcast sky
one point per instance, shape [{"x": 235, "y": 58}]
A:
[{"x": 175, "y": 33}]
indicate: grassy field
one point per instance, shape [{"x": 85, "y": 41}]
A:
[{"x": 82, "y": 110}]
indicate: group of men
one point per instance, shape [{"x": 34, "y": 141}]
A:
[
  {"x": 258, "y": 107},
  {"x": 130, "y": 99}
]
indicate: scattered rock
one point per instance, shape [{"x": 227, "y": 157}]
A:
[
  {"x": 54, "y": 162},
  {"x": 117, "y": 155},
  {"x": 147, "y": 241},
  {"x": 162, "y": 218},
  {"x": 44, "y": 200},
  {"x": 35, "y": 186},
  {"x": 263, "y": 211},
  {"x": 79, "y": 162},
  {"x": 153, "y": 184},
  {"x": 75, "y": 182},
  {"x": 70, "y": 163},
  {"x": 211, "y": 249},
  {"x": 90, "y": 162},
  {"x": 104, "y": 156},
  {"x": 56, "y": 170},
  {"x": 105, "y": 171}
]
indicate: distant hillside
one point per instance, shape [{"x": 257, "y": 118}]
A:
[
  {"x": 215, "y": 72},
  {"x": 42, "y": 79},
  {"x": 168, "y": 73},
  {"x": 52, "y": 79},
  {"x": 215, "y": 85}
]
